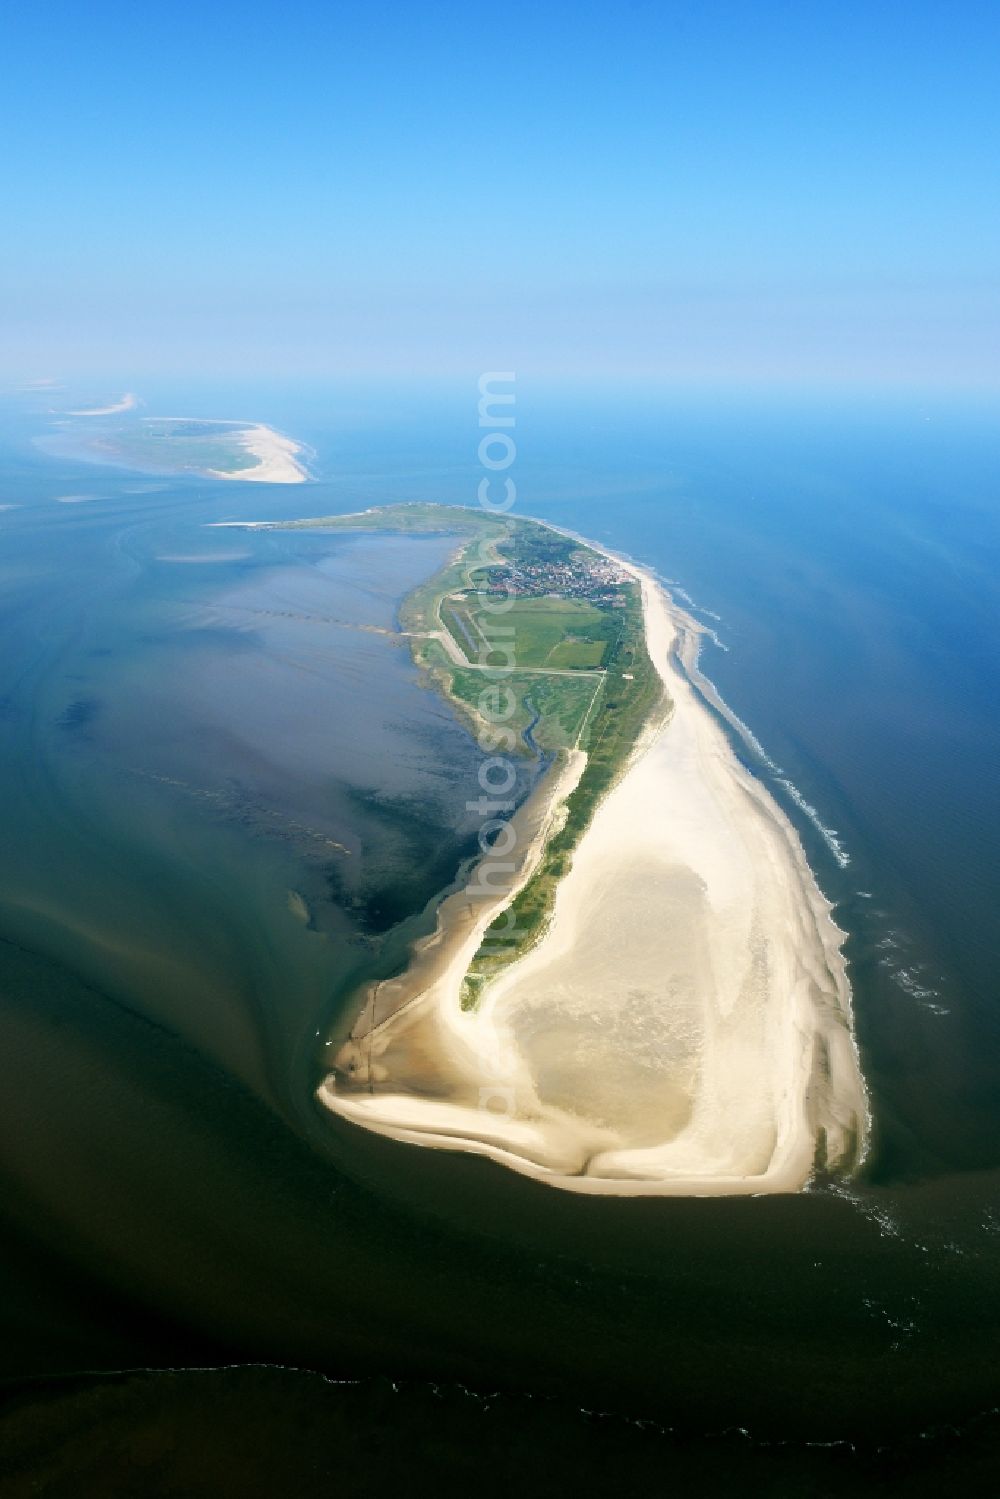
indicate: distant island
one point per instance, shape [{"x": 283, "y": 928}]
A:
[
  {"x": 639, "y": 988},
  {"x": 127, "y": 402},
  {"x": 200, "y": 447}
]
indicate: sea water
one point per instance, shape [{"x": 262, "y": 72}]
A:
[{"x": 229, "y": 801}]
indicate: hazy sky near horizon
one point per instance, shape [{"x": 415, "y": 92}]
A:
[{"x": 756, "y": 192}]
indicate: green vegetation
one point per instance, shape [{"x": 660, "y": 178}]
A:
[
  {"x": 174, "y": 446},
  {"x": 580, "y": 674},
  {"x": 578, "y": 653},
  {"x": 560, "y": 704},
  {"x": 533, "y": 542},
  {"x": 417, "y": 518},
  {"x": 559, "y": 633},
  {"x": 632, "y": 695}
]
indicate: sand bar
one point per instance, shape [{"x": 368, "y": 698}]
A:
[{"x": 127, "y": 403}]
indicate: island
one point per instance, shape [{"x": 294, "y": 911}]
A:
[
  {"x": 198, "y": 447},
  {"x": 639, "y": 987}
]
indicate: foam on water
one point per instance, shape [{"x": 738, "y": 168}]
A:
[
  {"x": 830, "y": 836},
  {"x": 710, "y": 692}
]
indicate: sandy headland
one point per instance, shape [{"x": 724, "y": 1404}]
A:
[
  {"x": 684, "y": 1024},
  {"x": 278, "y": 458}
]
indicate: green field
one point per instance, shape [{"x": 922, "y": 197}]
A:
[{"x": 567, "y": 634}]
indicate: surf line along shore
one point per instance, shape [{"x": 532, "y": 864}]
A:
[{"x": 682, "y": 1026}]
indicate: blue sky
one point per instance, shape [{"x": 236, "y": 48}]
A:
[{"x": 758, "y": 192}]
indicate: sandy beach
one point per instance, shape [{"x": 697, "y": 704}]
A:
[
  {"x": 128, "y": 402},
  {"x": 277, "y": 458},
  {"x": 683, "y": 1027}
]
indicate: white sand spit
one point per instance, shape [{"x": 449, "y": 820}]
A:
[
  {"x": 277, "y": 460},
  {"x": 127, "y": 403}
]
